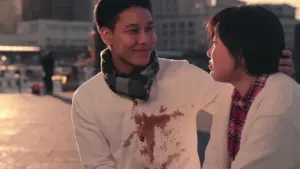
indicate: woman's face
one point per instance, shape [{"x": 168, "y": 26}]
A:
[{"x": 222, "y": 64}]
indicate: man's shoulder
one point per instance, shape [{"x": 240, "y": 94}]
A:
[
  {"x": 170, "y": 64},
  {"x": 90, "y": 87}
]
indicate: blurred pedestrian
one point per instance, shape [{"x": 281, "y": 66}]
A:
[{"x": 47, "y": 63}]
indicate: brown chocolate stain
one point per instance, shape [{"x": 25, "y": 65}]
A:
[
  {"x": 146, "y": 125},
  {"x": 144, "y": 151},
  {"x": 170, "y": 159},
  {"x": 167, "y": 133},
  {"x": 165, "y": 146},
  {"x": 176, "y": 114},
  {"x": 162, "y": 109},
  {"x": 127, "y": 142}
]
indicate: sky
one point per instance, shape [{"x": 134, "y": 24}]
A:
[{"x": 295, "y": 3}]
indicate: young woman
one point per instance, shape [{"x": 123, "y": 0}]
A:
[{"x": 257, "y": 125}]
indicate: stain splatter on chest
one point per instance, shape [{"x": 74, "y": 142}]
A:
[{"x": 146, "y": 129}]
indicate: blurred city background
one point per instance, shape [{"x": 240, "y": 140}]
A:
[
  {"x": 58, "y": 37},
  {"x": 64, "y": 29}
]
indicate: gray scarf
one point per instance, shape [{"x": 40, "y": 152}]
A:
[{"x": 137, "y": 85}]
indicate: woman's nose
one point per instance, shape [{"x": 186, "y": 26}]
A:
[{"x": 208, "y": 53}]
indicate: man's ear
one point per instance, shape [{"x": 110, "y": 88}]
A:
[{"x": 106, "y": 35}]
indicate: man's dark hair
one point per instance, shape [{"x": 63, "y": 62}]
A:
[
  {"x": 106, "y": 12},
  {"x": 253, "y": 33}
]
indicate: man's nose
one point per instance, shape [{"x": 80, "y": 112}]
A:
[{"x": 144, "y": 38}]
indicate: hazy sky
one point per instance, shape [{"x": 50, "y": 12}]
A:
[{"x": 295, "y": 3}]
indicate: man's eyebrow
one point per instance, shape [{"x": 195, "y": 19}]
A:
[
  {"x": 136, "y": 25},
  {"x": 132, "y": 25}
]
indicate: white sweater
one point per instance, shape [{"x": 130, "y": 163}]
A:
[
  {"x": 103, "y": 121},
  {"x": 271, "y": 134}
]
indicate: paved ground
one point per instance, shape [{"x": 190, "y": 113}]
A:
[
  {"x": 36, "y": 133},
  {"x": 66, "y": 95}
]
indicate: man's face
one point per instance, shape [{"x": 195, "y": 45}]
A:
[{"x": 133, "y": 38}]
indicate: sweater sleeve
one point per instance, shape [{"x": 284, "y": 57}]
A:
[
  {"x": 200, "y": 85},
  {"x": 272, "y": 142},
  {"x": 214, "y": 152},
  {"x": 92, "y": 146}
]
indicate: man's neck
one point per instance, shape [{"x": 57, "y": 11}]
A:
[{"x": 122, "y": 66}]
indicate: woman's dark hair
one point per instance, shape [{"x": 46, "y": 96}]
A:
[{"x": 253, "y": 33}]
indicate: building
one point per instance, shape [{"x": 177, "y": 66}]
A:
[
  {"x": 289, "y": 28},
  {"x": 226, "y": 3},
  {"x": 14, "y": 11},
  {"x": 66, "y": 39},
  {"x": 180, "y": 33},
  {"x": 70, "y": 10},
  {"x": 94, "y": 2},
  {"x": 178, "y": 22},
  {"x": 174, "y": 8},
  {"x": 286, "y": 14},
  {"x": 9, "y": 16},
  {"x": 180, "y": 25},
  {"x": 281, "y": 10}
]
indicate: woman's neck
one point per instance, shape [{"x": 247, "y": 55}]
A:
[{"x": 243, "y": 83}]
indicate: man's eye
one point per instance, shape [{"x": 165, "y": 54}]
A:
[
  {"x": 150, "y": 29},
  {"x": 133, "y": 31}
]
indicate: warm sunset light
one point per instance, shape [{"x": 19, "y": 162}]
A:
[
  {"x": 295, "y": 3},
  {"x": 20, "y": 48}
]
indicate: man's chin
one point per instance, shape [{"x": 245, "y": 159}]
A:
[{"x": 140, "y": 62}]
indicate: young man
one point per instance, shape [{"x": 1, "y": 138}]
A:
[
  {"x": 140, "y": 111},
  {"x": 258, "y": 126}
]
